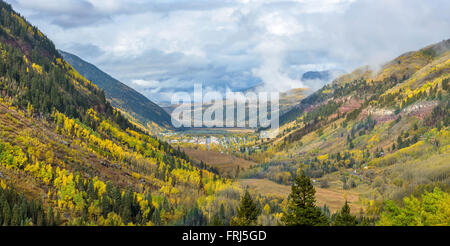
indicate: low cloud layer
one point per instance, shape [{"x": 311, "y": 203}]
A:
[{"x": 159, "y": 47}]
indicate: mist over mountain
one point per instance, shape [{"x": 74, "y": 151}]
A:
[
  {"x": 315, "y": 80},
  {"x": 68, "y": 157},
  {"x": 131, "y": 102},
  {"x": 234, "y": 44}
]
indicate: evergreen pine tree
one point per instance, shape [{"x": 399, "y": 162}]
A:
[
  {"x": 16, "y": 220},
  {"x": 6, "y": 214},
  {"x": 58, "y": 218},
  {"x": 302, "y": 210},
  {"x": 222, "y": 215},
  {"x": 344, "y": 218},
  {"x": 247, "y": 212},
  {"x": 156, "y": 217},
  {"x": 201, "y": 186},
  {"x": 40, "y": 218},
  {"x": 2, "y": 201},
  {"x": 216, "y": 221}
]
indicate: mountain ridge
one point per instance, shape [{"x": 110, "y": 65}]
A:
[
  {"x": 384, "y": 134},
  {"x": 121, "y": 96},
  {"x": 403, "y": 72},
  {"x": 68, "y": 157}
]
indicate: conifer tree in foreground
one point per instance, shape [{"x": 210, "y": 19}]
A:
[
  {"x": 302, "y": 210},
  {"x": 344, "y": 218},
  {"x": 247, "y": 212}
]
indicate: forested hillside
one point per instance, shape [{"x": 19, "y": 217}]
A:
[
  {"x": 68, "y": 157},
  {"x": 132, "y": 103},
  {"x": 383, "y": 134}
]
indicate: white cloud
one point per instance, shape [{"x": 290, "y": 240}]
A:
[
  {"x": 146, "y": 83},
  {"x": 55, "y": 7},
  {"x": 161, "y": 46}
]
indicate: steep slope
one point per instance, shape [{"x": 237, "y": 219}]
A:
[
  {"x": 121, "y": 96},
  {"x": 312, "y": 75},
  {"x": 384, "y": 134},
  {"x": 67, "y": 157}
]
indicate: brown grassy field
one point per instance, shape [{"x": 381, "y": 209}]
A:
[
  {"x": 333, "y": 198},
  {"x": 225, "y": 164}
]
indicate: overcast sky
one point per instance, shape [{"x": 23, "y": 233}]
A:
[{"x": 162, "y": 46}]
